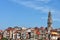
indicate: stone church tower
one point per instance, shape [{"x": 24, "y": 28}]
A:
[
  {"x": 49, "y": 23},
  {"x": 49, "y": 26}
]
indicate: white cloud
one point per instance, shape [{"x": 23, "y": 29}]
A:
[
  {"x": 42, "y": 0},
  {"x": 56, "y": 19},
  {"x": 45, "y": 1},
  {"x": 34, "y": 6},
  {"x": 44, "y": 9},
  {"x": 53, "y": 19}
]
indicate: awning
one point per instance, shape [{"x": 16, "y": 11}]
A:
[{"x": 54, "y": 33}]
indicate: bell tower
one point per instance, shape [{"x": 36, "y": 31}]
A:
[
  {"x": 49, "y": 20},
  {"x": 49, "y": 24}
]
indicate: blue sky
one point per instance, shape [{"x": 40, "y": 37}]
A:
[{"x": 28, "y": 13}]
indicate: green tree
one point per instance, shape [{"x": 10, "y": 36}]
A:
[{"x": 4, "y": 39}]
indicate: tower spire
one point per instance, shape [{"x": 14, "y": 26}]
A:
[
  {"x": 49, "y": 25},
  {"x": 49, "y": 19}
]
